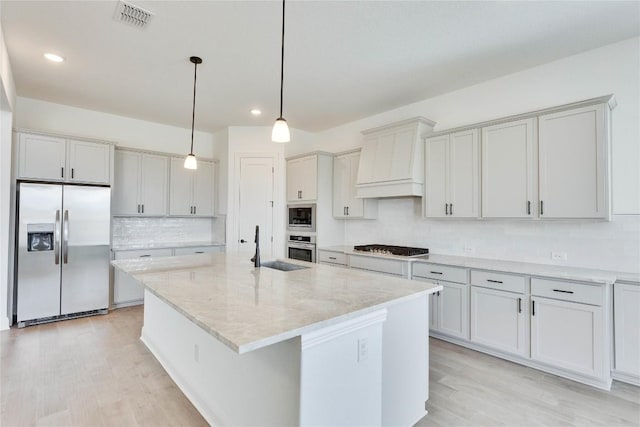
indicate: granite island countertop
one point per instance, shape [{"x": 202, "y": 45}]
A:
[
  {"x": 587, "y": 275},
  {"x": 248, "y": 308}
]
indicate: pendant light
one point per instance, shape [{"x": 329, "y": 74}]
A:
[
  {"x": 280, "y": 131},
  {"x": 190, "y": 161}
]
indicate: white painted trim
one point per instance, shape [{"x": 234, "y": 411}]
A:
[
  {"x": 162, "y": 153},
  {"x": 604, "y": 384},
  {"x": 57, "y": 135},
  {"x": 311, "y": 153},
  {"x": 607, "y": 99},
  {"x": 316, "y": 338},
  {"x": 4, "y": 325},
  {"x": 626, "y": 377},
  {"x": 411, "y": 121}
]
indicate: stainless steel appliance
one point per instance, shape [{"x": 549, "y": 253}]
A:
[
  {"x": 302, "y": 248},
  {"x": 62, "y": 251},
  {"x": 392, "y": 250},
  {"x": 302, "y": 217}
]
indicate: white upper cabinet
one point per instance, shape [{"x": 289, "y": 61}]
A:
[
  {"x": 89, "y": 162},
  {"x": 392, "y": 160},
  {"x": 345, "y": 202},
  {"x": 574, "y": 170},
  {"x": 302, "y": 179},
  {"x": 509, "y": 170},
  {"x": 58, "y": 159},
  {"x": 452, "y": 175},
  {"x": 140, "y": 184},
  {"x": 192, "y": 191}
]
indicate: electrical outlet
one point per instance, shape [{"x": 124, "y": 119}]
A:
[
  {"x": 196, "y": 353},
  {"x": 469, "y": 249},
  {"x": 363, "y": 349},
  {"x": 559, "y": 256}
]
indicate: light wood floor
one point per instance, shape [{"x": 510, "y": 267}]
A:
[{"x": 95, "y": 371}]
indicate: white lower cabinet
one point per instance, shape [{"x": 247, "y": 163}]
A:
[
  {"x": 450, "y": 310},
  {"x": 126, "y": 290},
  {"x": 626, "y": 304},
  {"x": 198, "y": 250},
  {"x": 499, "y": 320},
  {"x": 380, "y": 265},
  {"x": 568, "y": 335}
]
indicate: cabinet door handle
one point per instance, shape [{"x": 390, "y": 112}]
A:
[
  {"x": 138, "y": 208},
  {"x": 564, "y": 292},
  {"x": 528, "y": 207},
  {"x": 143, "y": 208},
  {"x": 533, "y": 308},
  {"x": 61, "y": 172},
  {"x": 144, "y": 256},
  {"x": 195, "y": 210},
  {"x": 519, "y": 305},
  {"x": 347, "y": 210},
  {"x": 299, "y": 194},
  {"x": 435, "y": 272},
  {"x": 541, "y": 207},
  {"x": 494, "y": 281},
  {"x": 332, "y": 257},
  {"x": 191, "y": 210},
  {"x": 450, "y": 208},
  {"x": 72, "y": 173},
  {"x": 344, "y": 211},
  {"x": 199, "y": 252},
  {"x": 446, "y": 209}
]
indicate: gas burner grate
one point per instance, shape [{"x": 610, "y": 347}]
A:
[{"x": 392, "y": 250}]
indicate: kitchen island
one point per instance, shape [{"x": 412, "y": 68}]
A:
[{"x": 315, "y": 346}]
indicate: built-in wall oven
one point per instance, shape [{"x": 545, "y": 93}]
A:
[
  {"x": 302, "y": 217},
  {"x": 302, "y": 248}
]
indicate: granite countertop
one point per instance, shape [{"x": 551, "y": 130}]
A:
[
  {"x": 161, "y": 245},
  {"x": 248, "y": 308},
  {"x": 586, "y": 275}
]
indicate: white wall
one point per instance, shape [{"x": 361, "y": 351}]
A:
[
  {"x": 124, "y": 131},
  {"x": 615, "y": 245},
  {"x": 7, "y": 102}
]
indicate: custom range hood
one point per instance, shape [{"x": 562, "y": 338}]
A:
[{"x": 392, "y": 159}]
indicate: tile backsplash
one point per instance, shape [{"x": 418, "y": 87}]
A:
[
  {"x": 136, "y": 230},
  {"x": 604, "y": 245}
]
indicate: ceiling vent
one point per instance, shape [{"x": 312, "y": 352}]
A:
[{"x": 130, "y": 14}]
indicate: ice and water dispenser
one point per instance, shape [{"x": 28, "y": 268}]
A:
[{"x": 40, "y": 237}]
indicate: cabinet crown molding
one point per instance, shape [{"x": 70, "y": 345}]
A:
[
  {"x": 63, "y": 136},
  {"x": 411, "y": 121}
]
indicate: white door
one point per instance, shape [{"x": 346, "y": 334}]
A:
[
  {"x": 498, "y": 320},
  {"x": 256, "y": 204},
  {"x": 508, "y": 170},
  {"x": 437, "y": 158},
  {"x": 180, "y": 188},
  {"x": 573, "y": 166},
  {"x": 88, "y": 162},
  {"x": 464, "y": 175},
  {"x": 154, "y": 184},
  {"x": 568, "y": 335},
  {"x": 126, "y": 178}
]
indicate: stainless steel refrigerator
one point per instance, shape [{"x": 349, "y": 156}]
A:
[{"x": 62, "y": 251}]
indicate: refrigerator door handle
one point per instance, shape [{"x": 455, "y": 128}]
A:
[
  {"x": 65, "y": 236},
  {"x": 56, "y": 239}
]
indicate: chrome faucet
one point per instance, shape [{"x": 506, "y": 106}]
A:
[{"x": 256, "y": 257}]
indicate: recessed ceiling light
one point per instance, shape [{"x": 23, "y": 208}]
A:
[
  {"x": 53, "y": 57},
  {"x": 256, "y": 112}
]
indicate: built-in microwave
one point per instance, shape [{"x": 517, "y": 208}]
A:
[{"x": 302, "y": 217}]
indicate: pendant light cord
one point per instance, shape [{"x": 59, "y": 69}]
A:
[
  {"x": 193, "y": 110},
  {"x": 282, "y": 61}
]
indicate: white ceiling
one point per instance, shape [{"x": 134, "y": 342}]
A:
[{"x": 344, "y": 60}]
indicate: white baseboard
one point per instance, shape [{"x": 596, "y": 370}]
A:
[
  {"x": 626, "y": 378},
  {"x": 4, "y": 324}
]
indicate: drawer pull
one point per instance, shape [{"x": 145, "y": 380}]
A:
[
  {"x": 564, "y": 292},
  {"x": 144, "y": 256},
  {"x": 199, "y": 252},
  {"x": 494, "y": 281},
  {"x": 332, "y": 257},
  {"x": 435, "y": 272}
]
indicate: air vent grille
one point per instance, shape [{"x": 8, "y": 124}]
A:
[{"x": 130, "y": 14}]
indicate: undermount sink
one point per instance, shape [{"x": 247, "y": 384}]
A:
[{"x": 282, "y": 266}]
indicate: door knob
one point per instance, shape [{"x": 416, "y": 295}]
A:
[{"x": 243, "y": 241}]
